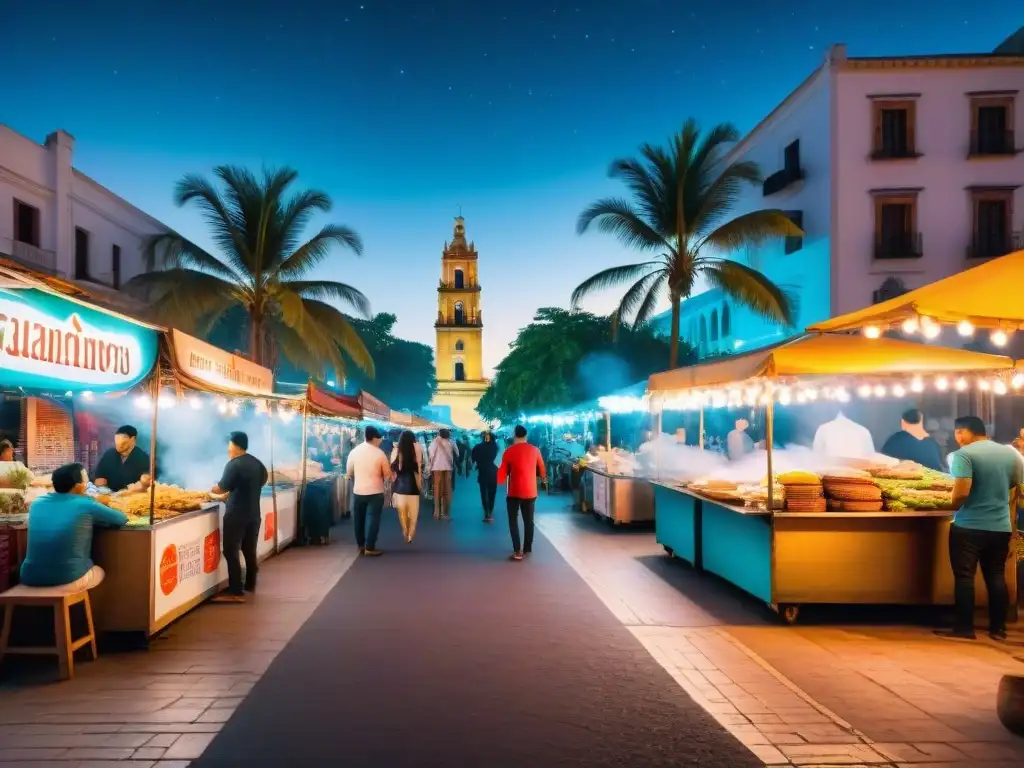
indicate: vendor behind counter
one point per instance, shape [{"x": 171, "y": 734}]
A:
[{"x": 125, "y": 464}]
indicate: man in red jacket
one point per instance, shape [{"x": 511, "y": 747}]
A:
[{"x": 521, "y": 465}]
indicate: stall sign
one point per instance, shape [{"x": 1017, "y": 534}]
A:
[
  {"x": 187, "y": 561},
  {"x": 48, "y": 342},
  {"x": 222, "y": 370}
]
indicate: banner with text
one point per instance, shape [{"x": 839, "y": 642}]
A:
[{"x": 211, "y": 365}]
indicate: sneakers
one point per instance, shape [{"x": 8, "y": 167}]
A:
[
  {"x": 517, "y": 556},
  {"x": 373, "y": 553}
]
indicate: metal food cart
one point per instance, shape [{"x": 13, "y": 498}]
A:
[{"x": 620, "y": 498}]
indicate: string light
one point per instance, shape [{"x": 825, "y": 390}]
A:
[
  {"x": 942, "y": 384},
  {"x": 1017, "y": 381},
  {"x": 964, "y": 328},
  {"x": 999, "y": 338},
  {"x": 910, "y": 325},
  {"x": 864, "y": 390},
  {"x": 999, "y": 388},
  {"x": 842, "y": 395},
  {"x": 879, "y": 391},
  {"x": 984, "y": 386},
  {"x": 195, "y": 402},
  {"x": 961, "y": 384},
  {"x": 898, "y": 390},
  {"x": 917, "y": 385},
  {"x": 872, "y": 332}
]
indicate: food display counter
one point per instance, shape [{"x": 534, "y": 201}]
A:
[
  {"x": 620, "y": 498},
  {"x": 790, "y": 559}
]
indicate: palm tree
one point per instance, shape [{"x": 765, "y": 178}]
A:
[
  {"x": 263, "y": 268},
  {"x": 681, "y": 198}
]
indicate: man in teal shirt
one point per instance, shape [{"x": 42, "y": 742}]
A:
[
  {"x": 60, "y": 527},
  {"x": 984, "y": 473}
]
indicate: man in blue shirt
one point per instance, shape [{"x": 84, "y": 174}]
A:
[
  {"x": 60, "y": 526},
  {"x": 984, "y": 473}
]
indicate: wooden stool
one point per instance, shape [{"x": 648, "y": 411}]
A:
[{"x": 60, "y": 599}]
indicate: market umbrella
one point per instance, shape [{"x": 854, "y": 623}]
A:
[{"x": 987, "y": 296}]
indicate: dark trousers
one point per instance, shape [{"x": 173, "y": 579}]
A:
[
  {"x": 241, "y": 536},
  {"x": 515, "y": 506},
  {"x": 363, "y": 506},
  {"x": 969, "y": 548},
  {"x": 488, "y": 490}
]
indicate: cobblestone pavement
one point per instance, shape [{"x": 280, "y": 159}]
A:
[
  {"x": 162, "y": 708},
  {"x": 804, "y": 695}
]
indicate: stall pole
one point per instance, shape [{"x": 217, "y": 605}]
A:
[
  {"x": 273, "y": 484},
  {"x": 700, "y": 428},
  {"x": 299, "y": 537},
  {"x": 769, "y": 440},
  {"x": 152, "y": 438},
  {"x": 608, "y": 430}
]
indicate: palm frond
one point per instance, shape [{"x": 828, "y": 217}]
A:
[
  {"x": 172, "y": 251},
  {"x": 616, "y": 216},
  {"x": 751, "y": 229},
  {"x": 183, "y": 297},
  {"x": 646, "y": 310},
  {"x": 637, "y": 294},
  {"x": 226, "y": 222},
  {"x": 341, "y": 331},
  {"x": 750, "y": 288},
  {"x": 325, "y": 290},
  {"x": 317, "y": 248},
  {"x": 611, "y": 278},
  {"x": 722, "y": 195},
  {"x": 293, "y": 219},
  {"x": 293, "y": 346}
]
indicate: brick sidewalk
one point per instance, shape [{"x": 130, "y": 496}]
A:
[
  {"x": 162, "y": 708},
  {"x": 807, "y": 696}
]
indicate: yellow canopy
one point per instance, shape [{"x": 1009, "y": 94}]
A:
[
  {"x": 987, "y": 295},
  {"x": 829, "y": 355}
]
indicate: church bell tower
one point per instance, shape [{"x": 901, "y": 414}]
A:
[{"x": 458, "y": 350}]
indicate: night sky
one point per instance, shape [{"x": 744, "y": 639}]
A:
[{"x": 404, "y": 111}]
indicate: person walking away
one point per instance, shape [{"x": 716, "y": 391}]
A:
[
  {"x": 984, "y": 473},
  {"x": 442, "y": 455},
  {"x": 913, "y": 443},
  {"x": 60, "y": 527},
  {"x": 521, "y": 465},
  {"x": 484, "y": 454},
  {"x": 407, "y": 485},
  {"x": 370, "y": 470},
  {"x": 243, "y": 480}
]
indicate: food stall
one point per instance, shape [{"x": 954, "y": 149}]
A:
[
  {"x": 801, "y": 526},
  {"x": 168, "y": 559}
]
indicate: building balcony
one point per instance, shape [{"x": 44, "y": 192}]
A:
[
  {"x": 472, "y": 321},
  {"x": 902, "y": 245},
  {"x": 992, "y": 144},
  {"x": 36, "y": 258},
  {"x": 991, "y": 247},
  {"x": 779, "y": 180},
  {"x": 443, "y": 286}
]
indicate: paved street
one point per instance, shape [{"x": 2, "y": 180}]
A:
[{"x": 437, "y": 653}]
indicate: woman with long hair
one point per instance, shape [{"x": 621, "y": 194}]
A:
[{"x": 407, "y": 485}]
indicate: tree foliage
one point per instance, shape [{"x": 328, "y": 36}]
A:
[
  {"x": 263, "y": 267},
  {"x": 565, "y": 358},
  {"x": 681, "y": 196}
]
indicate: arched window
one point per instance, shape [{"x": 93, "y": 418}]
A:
[
  {"x": 726, "y": 323},
  {"x": 460, "y": 313},
  {"x": 460, "y": 280},
  {"x": 703, "y": 331},
  {"x": 460, "y": 370},
  {"x": 714, "y": 325},
  {"x": 459, "y": 345}
]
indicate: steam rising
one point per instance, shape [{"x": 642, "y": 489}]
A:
[{"x": 192, "y": 436}]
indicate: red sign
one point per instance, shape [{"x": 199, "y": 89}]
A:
[{"x": 169, "y": 569}]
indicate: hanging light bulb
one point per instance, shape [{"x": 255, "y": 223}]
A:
[
  {"x": 910, "y": 325},
  {"x": 917, "y": 385},
  {"x": 1017, "y": 381},
  {"x": 785, "y": 396},
  {"x": 984, "y": 386},
  {"x": 999, "y": 388},
  {"x": 872, "y": 331},
  {"x": 999, "y": 337},
  {"x": 961, "y": 384},
  {"x": 842, "y": 395},
  {"x": 864, "y": 390},
  {"x": 801, "y": 397},
  {"x": 942, "y": 383},
  {"x": 812, "y": 393},
  {"x": 879, "y": 391},
  {"x": 898, "y": 390},
  {"x": 932, "y": 331},
  {"x": 964, "y": 328},
  {"x": 222, "y": 407}
]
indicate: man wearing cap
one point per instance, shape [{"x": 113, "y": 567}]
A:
[
  {"x": 369, "y": 469},
  {"x": 125, "y": 465}
]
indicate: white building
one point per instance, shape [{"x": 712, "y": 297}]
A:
[
  {"x": 900, "y": 170},
  {"x": 57, "y": 220}
]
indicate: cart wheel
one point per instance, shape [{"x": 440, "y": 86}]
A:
[
  {"x": 668, "y": 550},
  {"x": 789, "y": 613}
]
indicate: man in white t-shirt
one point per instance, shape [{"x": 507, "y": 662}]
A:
[
  {"x": 369, "y": 468},
  {"x": 442, "y": 456}
]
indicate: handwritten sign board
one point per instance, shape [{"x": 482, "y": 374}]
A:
[{"x": 222, "y": 370}]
